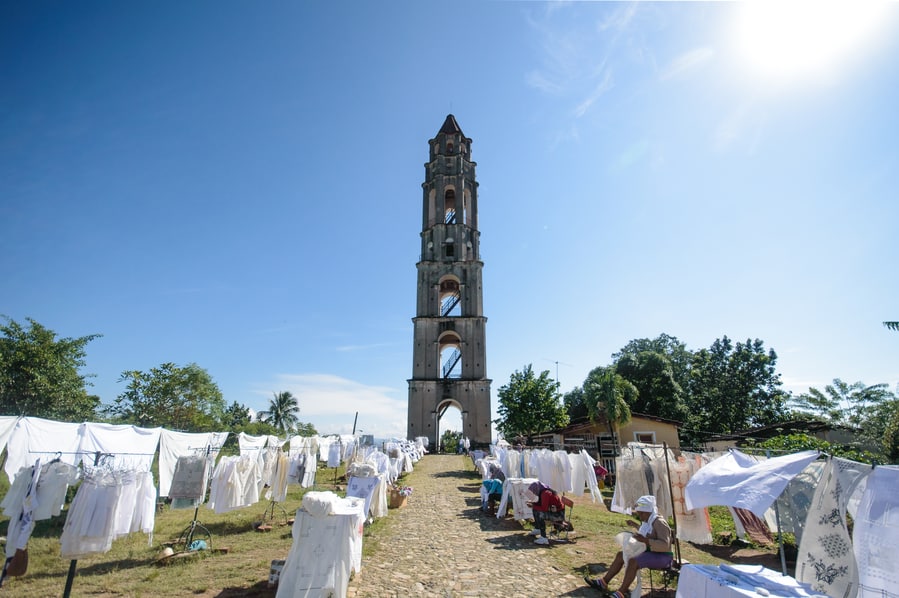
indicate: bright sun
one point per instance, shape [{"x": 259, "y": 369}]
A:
[{"x": 791, "y": 38}]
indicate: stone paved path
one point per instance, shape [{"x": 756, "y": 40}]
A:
[{"x": 442, "y": 544}]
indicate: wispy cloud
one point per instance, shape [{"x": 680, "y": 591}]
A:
[
  {"x": 574, "y": 47},
  {"x": 619, "y": 19},
  {"x": 601, "y": 88},
  {"x": 330, "y": 403},
  {"x": 686, "y": 62}
]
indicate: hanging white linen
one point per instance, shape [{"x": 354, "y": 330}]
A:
[
  {"x": 875, "y": 533},
  {"x": 278, "y": 481},
  {"x": 179, "y": 444},
  {"x": 324, "y": 447},
  {"x": 793, "y": 504},
  {"x": 108, "y": 504},
  {"x": 515, "y": 490},
  {"x": 583, "y": 475},
  {"x": 737, "y": 480},
  {"x": 693, "y": 525},
  {"x": 21, "y": 510},
  {"x": 631, "y": 483},
  {"x": 235, "y": 484},
  {"x": 188, "y": 487},
  {"x": 33, "y": 438},
  {"x": 7, "y": 425},
  {"x": 363, "y": 488},
  {"x": 326, "y": 549},
  {"x": 130, "y": 447},
  {"x": 561, "y": 472},
  {"x": 251, "y": 445},
  {"x": 826, "y": 560}
]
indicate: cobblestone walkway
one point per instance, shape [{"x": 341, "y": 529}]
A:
[{"x": 442, "y": 544}]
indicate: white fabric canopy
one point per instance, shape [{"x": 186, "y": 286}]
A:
[
  {"x": 35, "y": 438},
  {"x": 129, "y": 447},
  {"x": 738, "y": 480}
]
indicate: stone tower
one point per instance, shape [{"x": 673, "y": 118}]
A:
[{"x": 449, "y": 356}]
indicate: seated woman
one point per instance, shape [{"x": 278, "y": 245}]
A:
[
  {"x": 547, "y": 507},
  {"x": 655, "y": 533}
]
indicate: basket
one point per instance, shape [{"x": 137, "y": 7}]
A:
[{"x": 395, "y": 500}]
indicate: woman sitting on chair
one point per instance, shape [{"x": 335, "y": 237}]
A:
[
  {"x": 547, "y": 507},
  {"x": 655, "y": 533}
]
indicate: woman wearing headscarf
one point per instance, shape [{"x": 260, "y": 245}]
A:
[{"x": 655, "y": 534}]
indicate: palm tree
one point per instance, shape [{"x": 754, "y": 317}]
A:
[
  {"x": 607, "y": 395},
  {"x": 283, "y": 411}
]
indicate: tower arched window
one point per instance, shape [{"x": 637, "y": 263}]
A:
[
  {"x": 450, "y": 297},
  {"x": 450, "y": 354},
  {"x": 449, "y": 206}
]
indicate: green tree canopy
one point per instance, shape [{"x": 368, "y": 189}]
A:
[
  {"x": 530, "y": 404},
  {"x": 679, "y": 357},
  {"x": 179, "y": 398},
  {"x": 283, "y": 412},
  {"x": 236, "y": 417},
  {"x": 872, "y": 410},
  {"x": 652, "y": 373},
  {"x": 733, "y": 388},
  {"x": 449, "y": 441},
  {"x": 575, "y": 403},
  {"x": 842, "y": 403},
  {"x": 39, "y": 374},
  {"x": 792, "y": 443}
]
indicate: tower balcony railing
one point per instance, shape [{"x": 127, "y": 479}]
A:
[
  {"x": 450, "y": 365},
  {"x": 449, "y": 303}
]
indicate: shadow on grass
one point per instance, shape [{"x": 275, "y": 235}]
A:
[
  {"x": 743, "y": 556},
  {"x": 258, "y": 590}
]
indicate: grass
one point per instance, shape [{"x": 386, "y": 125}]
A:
[{"x": 130, "y": 568}]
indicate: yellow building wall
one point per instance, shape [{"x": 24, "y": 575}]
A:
[{"x": 640, "y": 430}]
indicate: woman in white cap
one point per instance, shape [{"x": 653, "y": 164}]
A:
[{"x": 655, "y": 533}]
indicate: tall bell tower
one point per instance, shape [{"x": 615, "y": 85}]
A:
[{"x": 449, "y": 355}]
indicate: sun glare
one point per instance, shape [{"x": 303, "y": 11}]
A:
[{"x": 792, "y": 38}]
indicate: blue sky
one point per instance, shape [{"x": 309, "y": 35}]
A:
[{"x": 239, "y": 185}]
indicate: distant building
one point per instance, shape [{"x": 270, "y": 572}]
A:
[
  {"x": 834, "y": 434},
  {"x": 604, "y": 444}
]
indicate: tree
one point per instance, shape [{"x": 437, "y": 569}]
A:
[
  {"x": 679, "y": 357},
  {"x": 608, "y": 396},
  {"x": 236, "y": 417},
  {"x": 732, "y": 388},
  {"x": 39, "y": 374},
  {"x": 449, "y": 441},
  {"x": 652, "y": 373},
  {"x": 283, "y": 412},
  {"x": 575, "y": 404},
  {"x": 792, "y": 443},
  {"x": 843, "y": 404},
  {"x": 179, "y": 398},
  {"x": 530, "y": 404}
]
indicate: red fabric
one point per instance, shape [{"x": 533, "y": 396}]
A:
[{"x": 548, "y": 499}]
